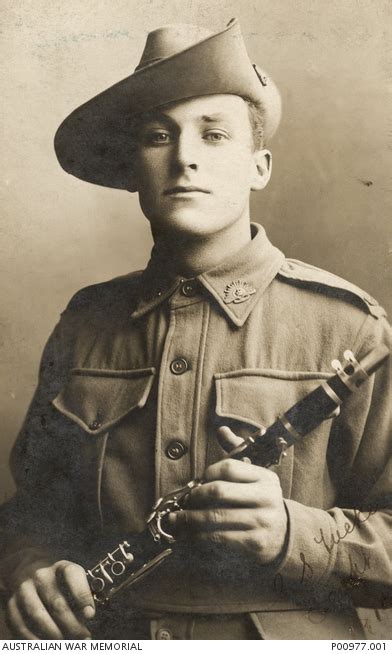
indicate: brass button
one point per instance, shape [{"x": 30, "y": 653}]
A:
[
  {"x": 179, "y": 366},
  {"x": 164, "y": 634},
  {"x": 189, "y": 289},
  {"x": 95, "y": 424},
  {"x": 175, "y": 450}
]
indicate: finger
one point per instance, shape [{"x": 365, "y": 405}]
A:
[
  {"x": 237, "y": 471},
  {"x": 49, "y": 591},
  {"x": 234, "y": 540},
  {"x": 63, "y": 615},
  {"x": 16, "y": 622},
  {"x": 76, "y": 587},
  {"x": 34, "y": 612},
  {"x": 227, "y": 439},
  {"x": 196, "y": 522},
  {"x": 230, "y": 494}
]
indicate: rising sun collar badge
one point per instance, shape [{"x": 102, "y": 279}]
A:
[{"x": 238, "y": 292}]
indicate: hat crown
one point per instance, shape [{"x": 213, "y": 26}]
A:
[{"x": 171, "y": 39}]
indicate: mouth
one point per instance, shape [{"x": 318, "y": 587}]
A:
[{"x": 183, "y": 190}]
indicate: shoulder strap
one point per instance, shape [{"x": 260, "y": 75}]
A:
[{"x": 306, "y": 276}]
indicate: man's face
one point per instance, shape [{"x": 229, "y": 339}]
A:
[{"x": 196, "y": 165}]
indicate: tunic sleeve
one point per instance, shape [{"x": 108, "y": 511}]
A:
[{"x": 345, "y": 553}]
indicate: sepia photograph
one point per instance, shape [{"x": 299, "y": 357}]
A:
[{"x": 196, "y": 250}]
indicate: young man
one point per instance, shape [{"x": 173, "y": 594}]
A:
[{"x": 147, "y": 379}]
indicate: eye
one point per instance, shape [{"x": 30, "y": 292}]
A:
[
  {"x": 157, "y": 137},
  {"x": 215, "y": 136}
]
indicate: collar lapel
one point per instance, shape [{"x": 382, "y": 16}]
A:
[{"x": 236, "y": 284}]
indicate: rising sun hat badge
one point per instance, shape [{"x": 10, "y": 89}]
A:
[{"x": 237, "y": 292}]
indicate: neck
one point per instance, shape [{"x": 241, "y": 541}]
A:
[{"x": 193, "y": 254}]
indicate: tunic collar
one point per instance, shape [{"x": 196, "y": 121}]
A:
[{"x": 236, "y": 284}]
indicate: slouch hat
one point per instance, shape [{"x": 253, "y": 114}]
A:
[{"x": 178, "y": 62}]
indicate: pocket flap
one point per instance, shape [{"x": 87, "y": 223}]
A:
[
  {"x": 259, "y": 396},
  {"x": 97, "y": 399}
]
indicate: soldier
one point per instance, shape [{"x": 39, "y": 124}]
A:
[{"x": 148, "y": 378}]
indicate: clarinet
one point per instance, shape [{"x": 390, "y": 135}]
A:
[{"x": 140, "y": 554}]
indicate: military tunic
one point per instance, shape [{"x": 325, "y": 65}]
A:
[{"x": 137, "y": 377}]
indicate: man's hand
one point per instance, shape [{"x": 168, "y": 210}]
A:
[
  {"x": 50, "y": 600},
  {"x": 240, "y": 507}
]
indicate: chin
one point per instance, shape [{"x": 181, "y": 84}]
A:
[{"x": 188, "y": 222}]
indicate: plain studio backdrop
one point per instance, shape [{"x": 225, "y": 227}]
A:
[{"x": 328, "y": 202}]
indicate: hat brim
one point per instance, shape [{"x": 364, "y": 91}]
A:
[{"x": 93, "y": 142}]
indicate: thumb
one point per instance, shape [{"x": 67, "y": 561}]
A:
[{"x": 227, "y": 439}]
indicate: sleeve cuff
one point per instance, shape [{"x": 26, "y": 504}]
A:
[{"x": 307, "y": 560}]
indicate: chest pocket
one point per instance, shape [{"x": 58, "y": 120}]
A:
[
  {"x": 258, "y": 397},
  {"x": 97, "y": 400},
  {"x": 255, "y": 398}
]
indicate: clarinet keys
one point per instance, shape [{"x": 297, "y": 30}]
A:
[{"x": 104, "y": 574}]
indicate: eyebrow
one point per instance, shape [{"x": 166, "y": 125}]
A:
[
  {"x": 163, "y": 117},
  {"x": 214, "y": 118}
]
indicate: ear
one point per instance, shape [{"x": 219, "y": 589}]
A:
[
  {"x": 132, "y": 185},
  {"x": 262, "y": 169}
]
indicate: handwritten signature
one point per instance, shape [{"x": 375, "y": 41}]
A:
[
  {"x": 319, "y": 595},
  {"x": 357, "y": 570},
  {"x": 348, "y": 527},
  {"x": 323, "y": 599}
]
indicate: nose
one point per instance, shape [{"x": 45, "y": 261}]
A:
[{"x": 186, "y": 153}]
